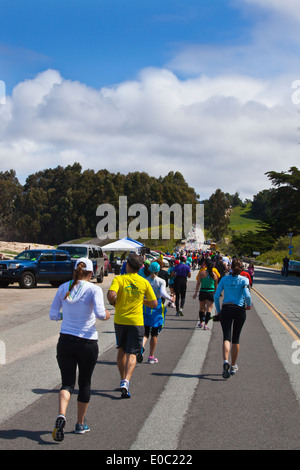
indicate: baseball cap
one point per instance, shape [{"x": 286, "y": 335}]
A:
[{"x": 88, "y": 264}]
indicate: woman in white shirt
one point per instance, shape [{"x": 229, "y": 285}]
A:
[{"x": 81, "y": 303}]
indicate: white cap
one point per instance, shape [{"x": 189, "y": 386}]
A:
[{"x": 88, "y": 264}]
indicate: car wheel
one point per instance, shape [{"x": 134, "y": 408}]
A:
[{"x": 27, "y": 280}]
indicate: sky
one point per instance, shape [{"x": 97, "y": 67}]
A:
[{"x": 209, "y": 88}]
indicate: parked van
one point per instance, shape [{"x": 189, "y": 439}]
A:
[{"x": 93, "y": 252}]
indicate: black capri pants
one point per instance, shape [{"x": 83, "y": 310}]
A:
[
  {"x": 232, "y": 320},
  {"x": 73, "y": 351}
]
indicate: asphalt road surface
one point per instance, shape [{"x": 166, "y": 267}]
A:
[{"x": 180, "y": 404}]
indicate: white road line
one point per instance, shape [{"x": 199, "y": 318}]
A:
[{"x": 162, "y": 428}]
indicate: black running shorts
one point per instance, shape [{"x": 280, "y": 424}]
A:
[
  {"x": 129, "y": 338},
  {"x": 206, "y": 295}
]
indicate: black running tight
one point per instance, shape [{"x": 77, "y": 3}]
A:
[
  {"x": 73, "y": 351},
  {"x": 232, "y": 320}
]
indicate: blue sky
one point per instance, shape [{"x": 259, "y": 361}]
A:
[
  {"x": 103, "y": 42},
  {"x": 154, "y": 86}
]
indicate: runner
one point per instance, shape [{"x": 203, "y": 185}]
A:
[
  {"x": 207, "y": 280},
  {"x": 233, "y": 313},
  {"x": 81, "y": 303},
  {"x": 127, "y": 294},
  {"x": 181, "y": 272},
  {"x": 154, "y": 318},
  {"x": 221, "y": 266},
  {"x": 144, "y": 270},
  {"x": 171, "y": 283},
  {"x": 251, "y": 272}
]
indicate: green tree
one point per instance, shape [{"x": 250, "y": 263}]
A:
[
  {"x": 10, "y": 190},
  {"x": 217, "y": 214},
  {"x": 249, "y": 242},
  {"x": 285, "y": 201}
]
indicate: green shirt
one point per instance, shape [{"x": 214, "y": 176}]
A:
[{"x": 207, "y": 284}]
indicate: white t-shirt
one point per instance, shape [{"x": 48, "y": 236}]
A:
[
  {"x": 159, "y": 286},
  {"x": 79, "y": 310}
]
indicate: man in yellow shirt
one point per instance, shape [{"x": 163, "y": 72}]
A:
[{"x": 128, "y": 293}]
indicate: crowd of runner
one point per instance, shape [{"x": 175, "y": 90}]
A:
[{"x": 140, "y": 296}]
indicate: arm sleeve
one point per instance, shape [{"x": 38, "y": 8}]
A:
[
  {"x": 217, "y": 296},
  {"x": 163, "y": 291},
  {"x": 56, "y": 306},
  {"x": 99, "y": 307},
  {"x": 247, "y": 294}
]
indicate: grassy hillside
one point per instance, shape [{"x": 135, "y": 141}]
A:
[{"x": 242, "y": 221}]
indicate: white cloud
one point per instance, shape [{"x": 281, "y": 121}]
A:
[
  {"x": 219, "y": 132},
  {"x": 269, "y": 48},
  {"x": 288, "y": 8}
]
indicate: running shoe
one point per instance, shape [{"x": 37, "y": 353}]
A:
[
  {"x": 139, "y": 356},
  {"x": 205, "y": 327},
  {"x": 233, "y": 369},
  {"x": 181, "y": 312},
  {"x": 124, "y": 387},
  {"x": 226, "y": 370},
  {"x": 152, "y": 360},
  {"x": 200, "y": 325},
  {"x": 81, "y": 428},
  {"x": 58, "y": 431}
]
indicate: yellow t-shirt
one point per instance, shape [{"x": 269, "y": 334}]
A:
[
  {"x": 131, "y": 290},
  {"x": 204, "y": 269}
]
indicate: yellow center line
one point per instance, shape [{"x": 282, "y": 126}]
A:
[{"x": 292, "y": 330}]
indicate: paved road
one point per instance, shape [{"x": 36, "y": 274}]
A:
[{"x": 182, "y": 403}]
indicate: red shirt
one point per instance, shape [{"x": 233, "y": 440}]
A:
[{"x": 244, "y": 273}]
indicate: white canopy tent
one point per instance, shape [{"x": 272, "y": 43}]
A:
[{"x": 125, "y": 244}]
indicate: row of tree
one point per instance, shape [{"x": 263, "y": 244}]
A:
[
  {"x": 60, "y": 204},
  {"x": 56, "y": 205}
]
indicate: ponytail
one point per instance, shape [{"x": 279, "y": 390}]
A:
[
  {"x": 237, "y": 267},
  {"x": 209, "y": 266},
  {"x": 79, "y": 273}
]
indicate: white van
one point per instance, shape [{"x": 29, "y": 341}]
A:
[{"x": 93, "y": 252}]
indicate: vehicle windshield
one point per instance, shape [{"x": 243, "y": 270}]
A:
[
  {"x": 75, "y": 251},
  {"x": 29, "y": 255}
]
